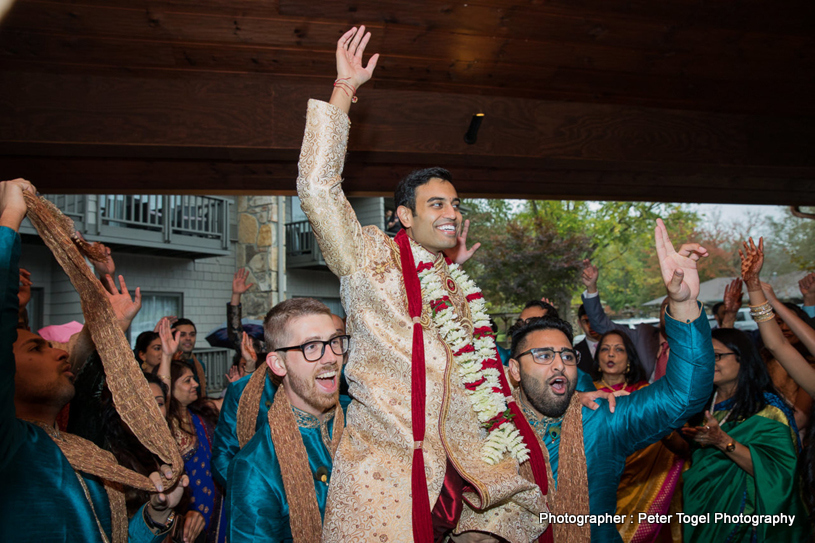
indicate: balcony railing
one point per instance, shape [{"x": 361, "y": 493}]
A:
[
  {"x": 178, "y": 223},
  {"x": 302, "y": 250}
]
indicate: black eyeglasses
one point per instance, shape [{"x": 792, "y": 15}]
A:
[
  {"x": 314, "y": 350},
  {"x": 546, "y": 356},
  {"x": 718, "y": 356}
]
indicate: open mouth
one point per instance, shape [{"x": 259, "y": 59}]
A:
[
  {"x": 559, "y": 385},
  {"x": 327, "y": 381}
]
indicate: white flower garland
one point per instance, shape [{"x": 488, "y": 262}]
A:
[{"x": 471, "y": 355}]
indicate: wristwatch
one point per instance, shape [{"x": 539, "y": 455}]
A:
[
  {"x": 153, "y": 525},
  {"x": 730, "y": 447}
]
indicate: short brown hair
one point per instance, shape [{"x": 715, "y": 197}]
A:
[{"x": 274, "y": 325}]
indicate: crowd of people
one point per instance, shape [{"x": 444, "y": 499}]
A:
[{"x": 408, "y": 422}]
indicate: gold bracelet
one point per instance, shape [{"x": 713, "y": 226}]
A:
[
  {"x": 765, "y": 305},
  {"x": 764, "y": 318},
  {"x": 164, "y": 378}
]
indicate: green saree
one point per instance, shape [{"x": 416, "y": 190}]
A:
[{"x": 715, "y": 484}]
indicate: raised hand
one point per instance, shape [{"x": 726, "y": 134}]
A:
[
  {"x": 248, "y": 352},
  {"x": 107, "y": 267},
  {"x": 169, "y": 339},
  {"x": 460, "y": 253},
  {"x": 769, "y": 293},
  {"x": 24, "y": 294},
  {"x": 125, "y": 307},
  {"x": 350, "y": 48},
  {"x": 12, "y": 204},
  {"x": 807, "y": 286},
  {"x": 678, "y": 268},
  {"x": 733, "y": 295},
  {"x": 752, "y": 259},
  {"x": 239, "y": 285},
  {"x": 589, "y": 276},
  {"x": 233, "y": 374}
]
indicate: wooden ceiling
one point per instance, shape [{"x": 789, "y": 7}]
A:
[{"x": 670, "y": 100}]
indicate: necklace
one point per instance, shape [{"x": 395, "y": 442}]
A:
[
  {"x": 475, "y": 356},
  {"x": 603, "y": 380}
]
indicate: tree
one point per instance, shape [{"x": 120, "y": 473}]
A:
[{"x": 524, "y": 260}]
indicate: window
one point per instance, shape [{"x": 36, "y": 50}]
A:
[{"x": 155, "y": 305}]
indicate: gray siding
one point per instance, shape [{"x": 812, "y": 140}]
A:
[{"x": 369, "y": 211}]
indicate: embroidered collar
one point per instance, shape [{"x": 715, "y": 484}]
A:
[
  {"x": 536, "y": 419},
  {"x": 307, "y": 420}
]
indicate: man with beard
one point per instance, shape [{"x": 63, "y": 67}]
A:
[
  {"x": 595, "y": 444},
  {"x": 274, "y": 479}
]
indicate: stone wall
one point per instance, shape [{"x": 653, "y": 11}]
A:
[{"x": 257, "y": 251}]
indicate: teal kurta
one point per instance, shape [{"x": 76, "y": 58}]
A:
[
  {"x": 256, "y": 500},
  {"x": 41, "y": 498},
  {"x": 640, "y": 419}
]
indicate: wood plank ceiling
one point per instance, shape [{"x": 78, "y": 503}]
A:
[{"x": 676, "y": 100}]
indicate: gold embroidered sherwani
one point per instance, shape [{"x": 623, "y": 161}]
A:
[{"x": 370, "y": 494}]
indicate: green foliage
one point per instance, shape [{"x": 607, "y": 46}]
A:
[
  {"x": 535, "y": 248},
  {"x": 792, "y": 239}
]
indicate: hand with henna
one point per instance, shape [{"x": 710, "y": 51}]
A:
[{"x": 752, "y": 259}]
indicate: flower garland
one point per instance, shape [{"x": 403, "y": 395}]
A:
[{"x": 476, "y": 358}]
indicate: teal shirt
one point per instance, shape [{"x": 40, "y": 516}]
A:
[
  {"x": 225, "y": 441},
  {"x": 257, "y": 507},
  {"x": 644, "y": 417},
  {"x": 41, "y": 498}
]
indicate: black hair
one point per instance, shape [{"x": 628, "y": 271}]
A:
[
  {"x": 126, "y": 447},
  {"x": 521, "y": 329},
  {"x": 201, "y": 407},
  {"x": 801, "y": 314},
  {"x": 635, "y": 372},
  {"x": 581, "y": 311},
  {"x": 143, "y": 342},
  {"x": 182, "y": 322},
  {"x": 715, "y": 308},
  {"x": 753, "y": 380},
  {"x": 405, "y": 193},
  {"x": 549, "y": 308}
]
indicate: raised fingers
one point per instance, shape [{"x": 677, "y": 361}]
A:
[{"x": 694, "y": 251}]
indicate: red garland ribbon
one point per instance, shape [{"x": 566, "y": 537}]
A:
[
  {"x": 421, "y": 514},
  {"x": 422, "y": 519}
]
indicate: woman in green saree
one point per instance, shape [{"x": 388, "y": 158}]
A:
[{"x": 745, "y": 455}]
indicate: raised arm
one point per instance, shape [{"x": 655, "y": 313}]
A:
[
  {"x": 169, "y": 346},
  {"x": 752, "y": 260},
  {"x": 807, "y": 286},
  {"x": 12, "y": 212},
  {"x": 600, "y": 322},
  {"x": 332, "y": 218},
  {"x": 656, "y": 410}
]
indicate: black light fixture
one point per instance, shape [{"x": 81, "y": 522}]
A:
[{"x": 472, "y": 133}]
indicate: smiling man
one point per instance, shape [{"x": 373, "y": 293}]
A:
[
  {"x": 421, "y": 457},
  {"x": 274, "y": 479},
  {"x": 595, "y": 444}
]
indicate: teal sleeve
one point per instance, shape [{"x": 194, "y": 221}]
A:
[
  {"x": 653, "y": 412},
  {"x": 584, "y": 382},
  {"x": 809, "y": 310},
  {"x": 225, "y": 441},
  {"x": 12, "y": 433},
  {"x": 138, "y": 532}
]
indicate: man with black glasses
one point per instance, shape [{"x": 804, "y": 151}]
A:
[
  {"x": 587, "y": 449},
  {"x": 274, "y": 480}
]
